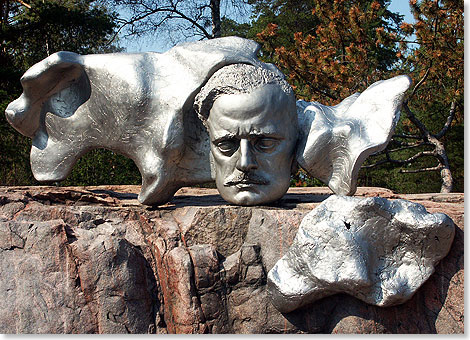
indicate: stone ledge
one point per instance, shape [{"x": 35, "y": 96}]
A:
[{"x": 93, "y": 260}]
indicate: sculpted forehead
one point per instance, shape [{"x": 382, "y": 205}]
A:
[{"x": 267, "y": 106}]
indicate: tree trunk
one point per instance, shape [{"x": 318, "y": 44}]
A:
[
  {"x": 215, "y": 12},
  {"x": 446, "y": 175},
  {"x": 439, "y": 149}
]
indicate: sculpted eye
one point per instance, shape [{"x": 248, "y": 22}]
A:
[
  {"x": 228, "y": 146},
  {"x": 266, "y": 144}
]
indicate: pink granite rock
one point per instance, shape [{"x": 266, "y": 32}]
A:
[{"x": 93, "y": 260}]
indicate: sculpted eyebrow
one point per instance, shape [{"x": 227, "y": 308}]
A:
[
  {"x": 224, "y": 137},
  {"x": 267, "y": 135},
  {"x": 251, "y": 135}
]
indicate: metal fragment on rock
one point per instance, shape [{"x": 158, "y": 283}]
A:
[{"x": 377, "y": 250}]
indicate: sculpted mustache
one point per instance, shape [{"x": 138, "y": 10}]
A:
[{"x": 245, "y": 178}]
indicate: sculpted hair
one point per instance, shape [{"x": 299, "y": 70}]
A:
[{"x": 235, "y": 79}]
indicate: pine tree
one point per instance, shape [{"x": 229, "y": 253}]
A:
[
  {"x": 428, "y": 147},
  {"x": 349, "y": 45}
]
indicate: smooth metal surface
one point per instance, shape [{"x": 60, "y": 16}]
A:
[
  {"x": 141, "y": 106},
  {"x": 376, "y": 250},
  {"x": 336, "y": 140}
]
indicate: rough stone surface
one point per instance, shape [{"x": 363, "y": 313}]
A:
[
  {"x": 93, "y": 260},
  {"x": 377, "y": 250}
]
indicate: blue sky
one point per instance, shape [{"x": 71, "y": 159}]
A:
[
  {"x": 141, "y": 45},
  {"x": 402, "y": 7}
]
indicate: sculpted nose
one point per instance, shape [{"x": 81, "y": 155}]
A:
[{"x": 247, "y": 160}]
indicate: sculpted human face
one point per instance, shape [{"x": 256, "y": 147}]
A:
[{"x": 253, "y": 137}]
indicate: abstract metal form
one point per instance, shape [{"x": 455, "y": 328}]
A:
[
  {"x": 376, "y": 250},
  {"x": 211, "y": 110},
  {"x": 336, "y": 140},
  {"x": 143, "y": 107}
]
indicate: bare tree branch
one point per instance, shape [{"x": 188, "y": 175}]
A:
[
  {"x": 418, "y": 84},
  {"x": 24, "y": 4},
  {"x": 179, "y": 19},
  {"x": 439, "y": 149},
  {"x": 370, "y": 166},
  {"x": 194, "y": 23},
  {"x": 413, "y": 171},
  {"x": 170, "y": 11},
  {"x": 406, "y": 136},
  {"x": 448, "y": 123},
  {"x": 400, "y": 161},
  {"x": 406, "y": 147},
  {"x": 403, "y": 146},
  {"x": 424, "y": 131}
]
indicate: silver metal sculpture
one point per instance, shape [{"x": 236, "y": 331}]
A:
[
  {"x": 336, "y": 140},
  {"x": 142, "y": 106},
  {"x": 211, "y": 110},
  {"x": 252, "y": 122},
  {"x": 377, "y": 250}
]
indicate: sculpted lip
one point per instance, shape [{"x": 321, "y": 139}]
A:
[
  {"x": 244, "y": 186},
  {"x": 245, "y": 181}
]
